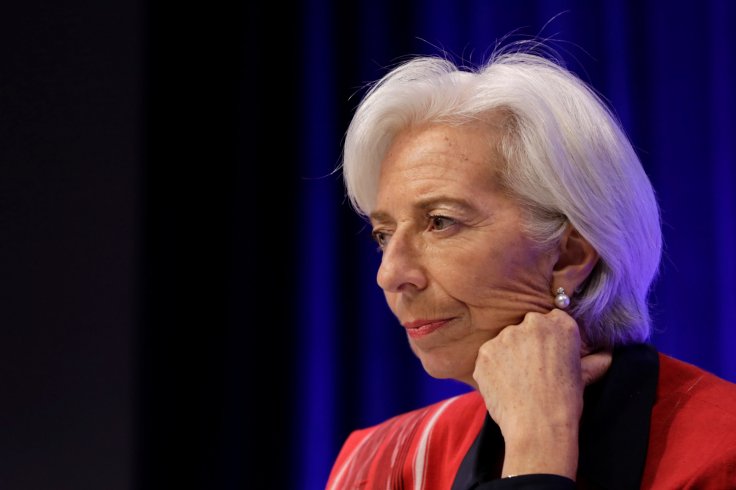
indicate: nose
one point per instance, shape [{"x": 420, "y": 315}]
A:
[{"x": 401, "y": 266}]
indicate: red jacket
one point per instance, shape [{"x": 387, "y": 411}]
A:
[{"x": 652, "y": 422}]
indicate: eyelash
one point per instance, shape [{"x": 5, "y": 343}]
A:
[
  {"x": 378, "y": 236},
  {"x": 433, "y": 217}
]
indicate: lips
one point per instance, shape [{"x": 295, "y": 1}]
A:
[{"x": 421, "y": 328}]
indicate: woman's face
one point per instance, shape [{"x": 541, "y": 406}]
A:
[{"x": 456, "y": 267}]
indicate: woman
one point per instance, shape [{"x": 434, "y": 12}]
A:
[{"x": 520, "y": 236}]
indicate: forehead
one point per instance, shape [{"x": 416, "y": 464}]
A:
[{"x": 430, "y": 158}]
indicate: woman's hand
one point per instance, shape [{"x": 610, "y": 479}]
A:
[{"x": 532, "y": 377}]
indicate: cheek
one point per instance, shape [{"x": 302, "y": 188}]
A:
[
  {"x": 514, "y": 278},
  {"x": 472, "y": 277}
]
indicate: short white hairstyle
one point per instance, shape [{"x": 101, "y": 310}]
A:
[{"x": 567, "y": 160}]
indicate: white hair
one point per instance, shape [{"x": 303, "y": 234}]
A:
[{"x": 567, "y": 161}]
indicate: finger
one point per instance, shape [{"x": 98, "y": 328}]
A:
[{"x": 595, "y": 365}]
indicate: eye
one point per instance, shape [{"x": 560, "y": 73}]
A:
[
  {"x": 439, "y": 223},
  {"x": 381, "y": 238}
]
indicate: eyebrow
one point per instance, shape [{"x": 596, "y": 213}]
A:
[{"x": 425, "y": 204}]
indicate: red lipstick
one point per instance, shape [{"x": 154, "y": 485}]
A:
[{"x": 421, "y": 328}]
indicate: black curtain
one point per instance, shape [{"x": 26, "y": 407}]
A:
[
  {"x": 70, "y": 152},
  {"x": 221, "y": 118}
]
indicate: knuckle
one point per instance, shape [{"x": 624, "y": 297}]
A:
[
  {"x": 558, "y": 315},
  {"x": 533, "y": 318}
]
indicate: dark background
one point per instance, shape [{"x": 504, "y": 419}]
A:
[{"x": 188, "y": 300}]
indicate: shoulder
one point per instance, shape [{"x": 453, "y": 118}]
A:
[
  {"x": 456, "y": 408},
  {"x": 693, "y": 429},
  {"x": 701, "y": 392},
  {"x": 448, "y": 426}
]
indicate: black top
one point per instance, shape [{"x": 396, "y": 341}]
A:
[{"x": 614, "y": 433}]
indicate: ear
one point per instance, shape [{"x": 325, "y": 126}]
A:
[{"x": 576, "y": 260}]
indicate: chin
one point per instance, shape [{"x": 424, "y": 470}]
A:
[{"x": 442, "y": 368}]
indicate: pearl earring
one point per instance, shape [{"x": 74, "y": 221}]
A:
[{"x": 562, "y": 300}]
